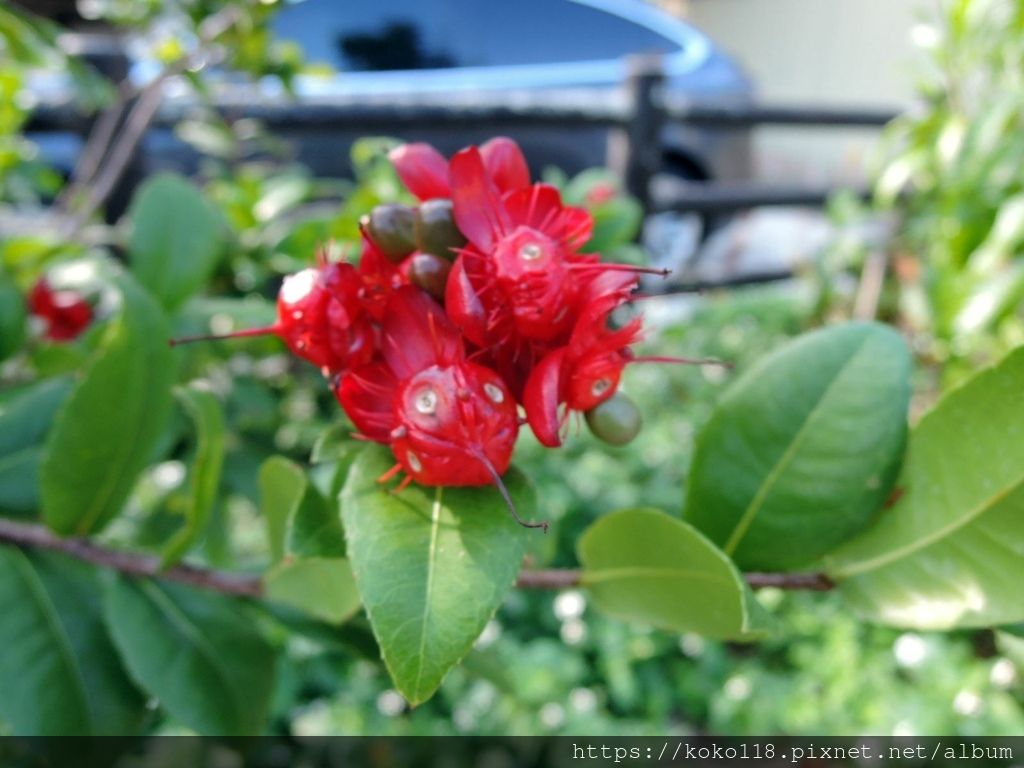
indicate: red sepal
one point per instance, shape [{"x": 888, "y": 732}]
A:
[
  {"x": 422, "y": 169},
  {"x": 367, "y": 394},
  {"x": 541, "y": 398},
  {"x": 479, "y": 212},
  {"x": 505, "y": 163},
  {"x": 417, "y": 334}
]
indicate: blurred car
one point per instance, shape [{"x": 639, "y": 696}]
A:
[{"x": 464, "y": 51}]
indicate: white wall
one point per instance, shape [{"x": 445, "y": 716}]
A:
[{"x": 815, "y": 52}]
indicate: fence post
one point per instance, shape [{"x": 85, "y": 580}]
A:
[{"x": 640, "y": 157}]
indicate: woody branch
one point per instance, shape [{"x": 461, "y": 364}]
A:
[{"x": 34, "y": 536}]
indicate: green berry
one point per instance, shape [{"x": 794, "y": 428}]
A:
[
  {"x": 616, "y": 420},
  {"x": 391, "y": 227},
  {"x": 435, "y": 229},
  {"x": 430, "y": 273}
]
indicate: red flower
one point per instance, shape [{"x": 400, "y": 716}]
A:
[
  {"x": 66, "y": 313},
  {"x": 321, "y": 316},
  {"x": 448, "y": 421},
  {"x": 424, "y": 171},
  {"x": 322, "y": 319},
  {"x": 586, "y": 371},
  {"x": 520, "y": 276},
  {"x": 380, "y": 279}
]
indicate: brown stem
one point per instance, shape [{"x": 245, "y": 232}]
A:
[
  {"x": 566, "y": 578},
  {"x": 813, "y": 582},
  {"x": 248, "y": 585},
  {"x": 872, "y": 282},
  {"x": 116, "y": 153},
  {"x": 120, "y": 155},
  {"x": 558, "y": 578},
  {"x": 97, "y": 145},
  {"x": 131, "y": 563}
]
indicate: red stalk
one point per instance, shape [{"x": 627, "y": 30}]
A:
[
  {"x": 270, "y": 330},
  {"x": 682, "y": 360}
]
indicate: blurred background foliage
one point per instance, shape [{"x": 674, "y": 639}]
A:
[
  {"x": 951, "y": 171},
  {"x": 547, "y": 663}
]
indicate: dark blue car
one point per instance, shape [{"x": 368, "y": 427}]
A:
[{"x": 468, "y": 51}]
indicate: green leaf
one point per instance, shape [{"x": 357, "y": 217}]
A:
[
  {"x": 49, "y": 360},
  {"x": 59, "y": 671},
  {"x": 432, "y": 564},
  {"x": 208, "y": 416},
  {"x": 315, "y": 528},
  {"x": 105, "y": 431},
  {"x": 176, "y": 239},
  {"x": 803, "y": 449},
  {"x": 335, "y": 444},
  {"x": 13, "y": 316},
  {"x": 950, "y": 552},
  {"x": 338, "y": 449},
  {"x": 24, "y": 423},
  {"x": 282, "y": 487},
  {"x": 321, "y": 587},
  {"x": 1016, "y": 629},
  {"x": 198, "y": 653},
  {"x": 642, "y": 565},
  {"x": 300, "y": 522}
]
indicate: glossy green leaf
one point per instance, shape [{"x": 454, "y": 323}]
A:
[
  {"x": 104, "y": 432},
  {"x": 49, "y": 360},
  {"x": 803, "y": 449},
  {"x": 24, "y": 423},
  {"x": 176, "y": 239},
  {"x": 321, "y": 587},
  {"x": 315, "y": 528},
  {"x": 199, "y": 653},
  {"x": 335, "y": 443},
  {"x": 432, "y": 565},
  {"x": 300, "y": 522},
  {"x": 207, "y": 415},
  {"x": 642, "y": 565},
  {"x": 950, "y": 552},
  {"x": 13, "y": 317},
  {"x": 59, "y": 671},
  {"x": 282, "y": 486},
  {"x": 338, "y": 449}
]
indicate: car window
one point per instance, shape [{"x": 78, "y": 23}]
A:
[
  {"x": 361, "y": 35},
  {"x": 549, "y": 31},
  {"x": 369, "y": 35}
]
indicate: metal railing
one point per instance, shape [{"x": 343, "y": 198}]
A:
[{"x": 639, "y": 115}]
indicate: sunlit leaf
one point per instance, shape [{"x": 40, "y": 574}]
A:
[
  {"x": 951, "y": 550},
  {"x": 432, "y": 565},
  {"x": 319, "y": 586},
  {"x": 803, "y": 449},
  {"x": 300, "y": 522},
  {"x": 642, "y": 565},
  {"x": 204, "y": 408}
]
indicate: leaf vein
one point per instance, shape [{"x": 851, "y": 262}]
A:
[
  {"x": 435, "y": 525},
  {"x": 747, "y": 519}
]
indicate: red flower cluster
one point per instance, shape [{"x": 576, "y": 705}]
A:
[
  {"x": 533, "y": 307},
  {"x": 65, "y": 313},
  {"x": 475, "y": 303}
]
